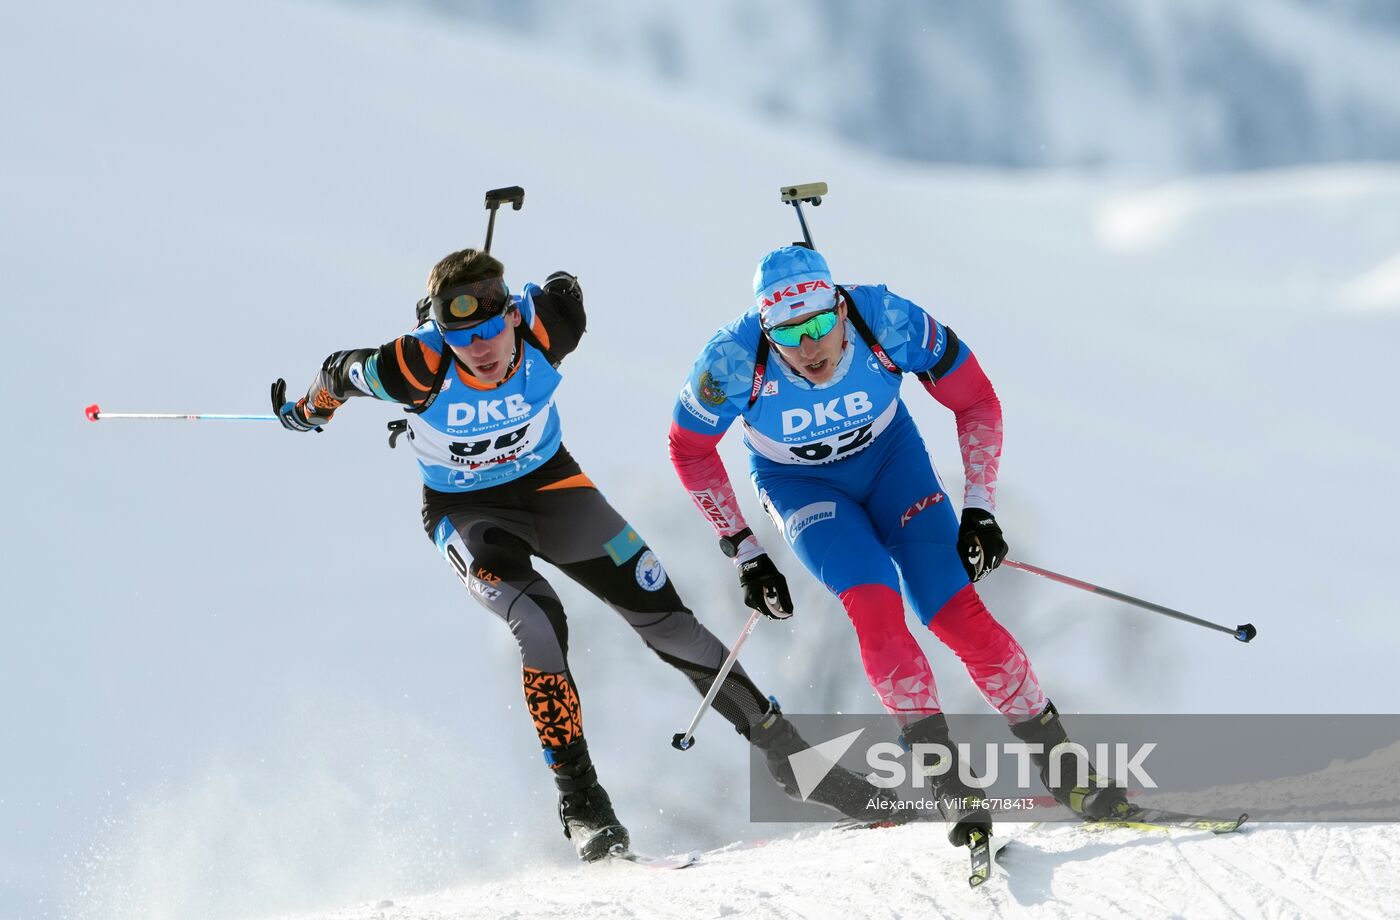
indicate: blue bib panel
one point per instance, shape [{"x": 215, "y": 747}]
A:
[
  {"x": 472, "y": 439},
  {"x": 795, "y": 422},
  {"x": 792, "y": 421}
]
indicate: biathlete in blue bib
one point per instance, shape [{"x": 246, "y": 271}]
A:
[
  {"x": 813, "y": 371},
  {"x": 478, "y": 376}
]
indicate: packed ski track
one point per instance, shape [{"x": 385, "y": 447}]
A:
[{"x": 1264, "y": 870}]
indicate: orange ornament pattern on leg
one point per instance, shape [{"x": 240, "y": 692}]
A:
[{"x": 554, "y": 705}]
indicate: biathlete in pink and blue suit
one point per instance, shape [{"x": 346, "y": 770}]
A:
[{"x": 813, "y": 372}]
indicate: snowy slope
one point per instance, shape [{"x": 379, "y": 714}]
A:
[
  {"x": 1046, "y": 869},
  {"x": 906, "y": 872},
  {"x": 238, "y": 677}
]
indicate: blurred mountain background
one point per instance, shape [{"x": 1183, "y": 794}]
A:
[{"x": 1160, "y": 85}]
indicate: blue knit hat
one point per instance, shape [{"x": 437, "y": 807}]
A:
[{"x": 792, "y": 281}]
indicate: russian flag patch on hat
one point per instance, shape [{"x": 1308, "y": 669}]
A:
[{"x": 792, "y": 281}]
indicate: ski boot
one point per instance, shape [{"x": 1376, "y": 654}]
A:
[
  {"x": 1098, "y": 800},
  {"x": 584, "y": 807},
  {"x": 962, "y": 806},
  {"x": 840, "y": 790}
]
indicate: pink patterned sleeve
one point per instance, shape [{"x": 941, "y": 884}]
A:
[
  {"x": 696, "y": 459},
  {"x": 969, "y": 393}
]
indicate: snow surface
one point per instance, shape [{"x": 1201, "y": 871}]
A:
[
  {"x": 237, "y": 680},
  {"x": 907, "y": 872},
  {"x": 1045, "y": 870}
]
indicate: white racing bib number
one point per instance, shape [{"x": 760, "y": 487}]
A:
[
  {"x": 473, "y": 452},
  {"x": 503, "y": 446},
  {"x": 823, "y": 449},
  {"x": 834, "y": 447}
]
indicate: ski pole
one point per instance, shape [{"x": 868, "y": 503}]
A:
[
  {"x": 496, "y": 197},
  {"x": 95, "y": 413},
  {"x": 686, "y": 739},
  {"x": 1244, "y": 632},
  {"x": 794, "y": 195}
]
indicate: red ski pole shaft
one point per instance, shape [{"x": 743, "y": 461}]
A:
[{"x": 1244, "y": 632}]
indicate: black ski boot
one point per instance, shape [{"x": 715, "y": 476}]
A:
[
  {"x": 963, "y": 807},
  {"x": 1098, "y": 800},
  {"x": 841, "y": 790},
  {"x": 584, "y": 807}
]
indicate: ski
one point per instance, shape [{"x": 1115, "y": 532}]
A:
[
  {"x": 1141, "y": 818},
  {"x": 892, "y": 818},
  {"x": 983, "y": 850},
  {"x": 865, "y": 824},
  {"x": 681, "y": 861},
  {"x": 979, "y": 846}
]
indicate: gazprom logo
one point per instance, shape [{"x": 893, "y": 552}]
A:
[
  {"x": 806, "y": 516},
  {"x": 692, "y": 405}
]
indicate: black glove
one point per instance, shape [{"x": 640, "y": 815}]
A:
[
  {"x": 294, "y": 416},
  {"x": 765, "y": 588},
  {"x": 980, "y": 543},
  {"x": 564, "y": 283}
]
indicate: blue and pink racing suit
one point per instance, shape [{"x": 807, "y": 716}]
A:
[{"x": 843, "y": 472}]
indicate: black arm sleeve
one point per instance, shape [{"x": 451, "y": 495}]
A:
[
  {"x": 332, "y": 386},
  {"x": 335, "y": 375},
  {"x": 559, "y": 309},
  {"x": 405, "y": 369},
  {"x": 402, "y": 371}
]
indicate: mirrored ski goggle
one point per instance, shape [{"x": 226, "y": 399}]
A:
[
  {"x": 487, "y": 330},
  {"x": 815, "y": 327}
]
